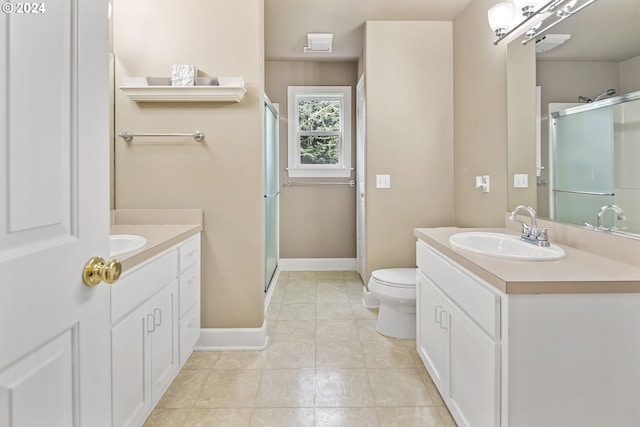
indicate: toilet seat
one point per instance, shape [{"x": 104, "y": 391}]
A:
[{"x": 397, "y": 277}]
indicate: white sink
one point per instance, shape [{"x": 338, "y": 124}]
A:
[
  {"x": 504, "y": 246},
  {"x": 123, "y": 243}
]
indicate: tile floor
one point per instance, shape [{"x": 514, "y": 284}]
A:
[{"x": 325, "y": 365}]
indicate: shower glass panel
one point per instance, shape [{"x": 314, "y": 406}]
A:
[
  {"x": 271, "y": 192},
  {"x": 583, "y": 167}
]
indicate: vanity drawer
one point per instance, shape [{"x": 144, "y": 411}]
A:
[
  {"x": 189, "y": 332},
  {"x": 189, "y": 253},
  {"x": 189, "y": 288},
  {"x": 466, "y": 290}
]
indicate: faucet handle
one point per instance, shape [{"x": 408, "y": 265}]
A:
[
  {"x": 544, "y": 233},
  {"x": 526, "y": 230}
]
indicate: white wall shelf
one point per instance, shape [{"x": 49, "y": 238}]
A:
[{"x": 184, "y": 93}]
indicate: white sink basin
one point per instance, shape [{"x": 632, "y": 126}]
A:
[
  {"x": 504, "y": 246},
  {"x": 123, "y": 243}
]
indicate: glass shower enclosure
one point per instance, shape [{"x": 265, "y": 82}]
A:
[{"x": 271, "y": 190}]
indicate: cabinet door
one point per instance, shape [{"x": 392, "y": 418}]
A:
[
  {"x": 431, "y": 335},
  {"x": 162, "y": 312},
  {"x": 473, "y": 372},
  {"x": 131, "y": 386}
]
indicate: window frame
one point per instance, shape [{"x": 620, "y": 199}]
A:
[{"x": 343, "y": 168}]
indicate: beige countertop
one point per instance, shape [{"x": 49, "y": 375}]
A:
[
  {"x": 577, "y": 272},
  {"x": 163, "y": 228}
]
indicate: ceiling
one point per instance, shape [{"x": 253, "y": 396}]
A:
[
  {"x": 608, "y": 30},
  {"x": 287, "y": 23}
]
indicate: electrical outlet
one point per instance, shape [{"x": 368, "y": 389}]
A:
[
  {"x": 383, "y": 181},
  {"x": 520, "y": 180}
]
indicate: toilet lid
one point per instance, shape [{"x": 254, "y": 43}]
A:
[{"x": 396, "y": 276}]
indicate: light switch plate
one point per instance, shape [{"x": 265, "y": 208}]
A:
[
  {"x": 520, "y": 180},
  {"x": 383, "y": 181}
]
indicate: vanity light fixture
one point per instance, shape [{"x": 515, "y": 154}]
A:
[
  {"x": 319, "y": 42},
  {"x": 530, "y": 16}
]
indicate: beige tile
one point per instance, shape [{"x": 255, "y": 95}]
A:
[
  {"x": 361, "y": 312},
  {"x": 272, "y": 311},
  {"x": 380, "y": 354},
  {"x": 291, "y": 355},
  {"x": 446, "y": 417},
  {"x": 281, "y": 417},
  {"x": 343, "y": 388},
  {"x": 352, "y": 276},
  {"x": 398, "y": 387},
  {"x": 346, "y": 417},
  {"x": 223, "y": 417},
  {"x": 283, "y": 275},
  {"x": 334, "y": 311},
  {"x": 434, "y": 394},
  {"x": 297, "y": 312},
  {"x": 409, "y": 417},
  {"x": 295, "y": 330},
  {"x": 163, "y": 417},
  {"x": 301, "y": 285},
  {"x": 184, "y": 389},
  {"x": 330, "y": 295},
  {"x": 294, "y": 275},
  {"x": 278, "y": 294},
  {"x": 201, "y": 360},
  {"x": 242, "y": 360},
  {"x": 336, "y": 330},
  {"x": 367, "y": 331},
  {"x": 330, "y": 275},
  {"x": 299, "y": 296},
  {"x": 339, "y": 355},
  {"x": 230, "y": 388},
  {"x": 354, "y": 289},
  {"x": 286, "y": 388}
]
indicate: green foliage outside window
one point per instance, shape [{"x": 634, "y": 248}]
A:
[{"x": 319, "y": 125}]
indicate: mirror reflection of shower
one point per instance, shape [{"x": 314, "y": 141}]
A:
[{"x": 605, "y": 94}]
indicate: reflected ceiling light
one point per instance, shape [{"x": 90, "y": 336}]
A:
[
  {"x": 530, "y": 16},
  {"x": 319, "y": 42}
]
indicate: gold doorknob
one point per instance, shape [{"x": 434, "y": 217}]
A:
[{"x": 97, "y": 270}]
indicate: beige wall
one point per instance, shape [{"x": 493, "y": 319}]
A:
[
  {"x": 224, "y": 175},
  {"x": 480, "y": 105},
  {"x": 408, "y": 69},
  {"x": 316, "y": 221},
  {"x": 630, "y": 75}
]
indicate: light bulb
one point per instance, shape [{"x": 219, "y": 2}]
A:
[
  {"x": 528, "y": 7},
  {"x": 500, "y": 17}
]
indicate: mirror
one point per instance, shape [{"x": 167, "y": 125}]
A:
[{"x": 602, "y": 53}]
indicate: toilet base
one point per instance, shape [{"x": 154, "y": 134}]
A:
[
  {"x": 396, "y": 323},
  {"x": 368, "y": 300}
]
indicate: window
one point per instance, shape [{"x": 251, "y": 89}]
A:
[{"x": 319, "y": 131}]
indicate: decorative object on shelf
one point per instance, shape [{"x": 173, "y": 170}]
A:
[
  {"x": 183, "y": 75},
  {"x": 530, "y": 16}
]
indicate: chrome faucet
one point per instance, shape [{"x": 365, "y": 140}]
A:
[
  {"x": 603, "y": 210},
  {"x": 530, "y": 233}
]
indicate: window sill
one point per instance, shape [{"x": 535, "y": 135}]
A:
[{"x": 319, "y": 173}]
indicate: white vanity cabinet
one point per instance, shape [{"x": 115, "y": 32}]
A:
[
  {"x": 189, "y": 284},
  {"x": 147, "y": 334},
  {"x": 458, "y": 338}
]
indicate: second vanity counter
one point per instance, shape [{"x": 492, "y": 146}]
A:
[{"x": 577, "y": 272}]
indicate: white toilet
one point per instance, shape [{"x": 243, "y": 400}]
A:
[{"x": 395, "y": 288}]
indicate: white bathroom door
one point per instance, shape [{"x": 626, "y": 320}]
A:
[
  {"x": 54, "y": 214},
  {"x": 361, "y": 147}
]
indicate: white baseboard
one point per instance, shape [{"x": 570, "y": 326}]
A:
[
  {"x": 212, "y": 339},
  {"x": 318, "y": 264}
]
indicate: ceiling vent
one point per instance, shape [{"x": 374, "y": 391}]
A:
[
  {"x": 550, "y": 41},
  {"x": 319, "y": 42}
]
